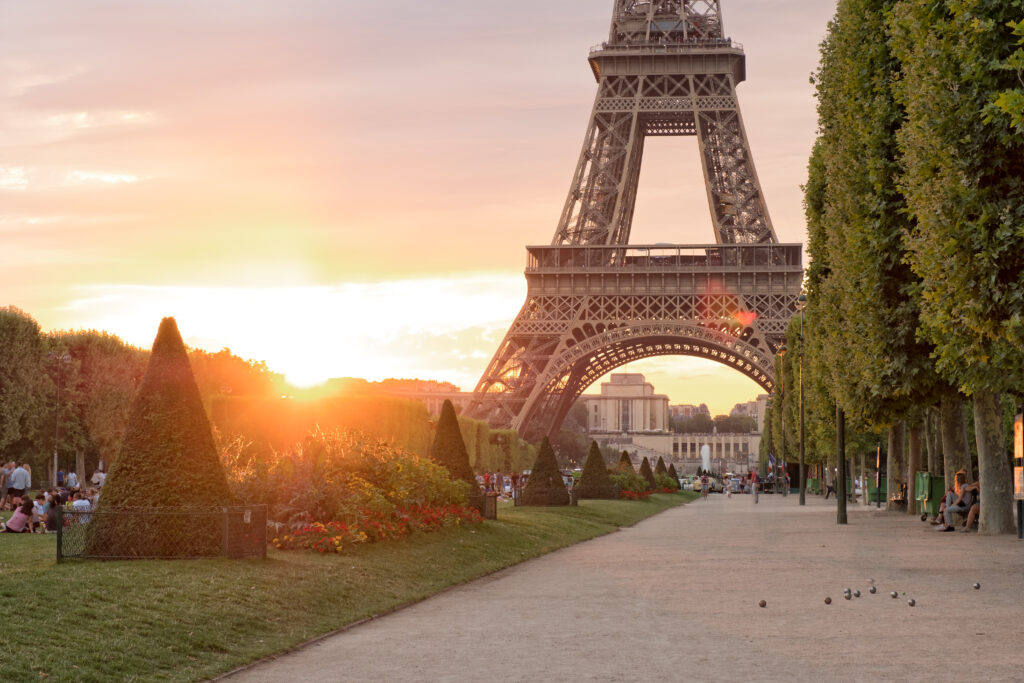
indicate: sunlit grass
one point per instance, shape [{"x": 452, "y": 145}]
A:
[{"x": 187, "y": 620}]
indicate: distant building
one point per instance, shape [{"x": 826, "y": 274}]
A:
[
  {"x": 755, "y": 409},
  {"x": 627, "y": 403},
  {"x": 687, "y": 411}
]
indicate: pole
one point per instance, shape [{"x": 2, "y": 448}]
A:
[
  {"x": 803, "y": 474},
  {"x": 878, "y": 475},
  {"x": 841, "y": 462}
]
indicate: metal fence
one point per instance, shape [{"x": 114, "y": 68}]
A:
[{"x": 162, "y": 533}]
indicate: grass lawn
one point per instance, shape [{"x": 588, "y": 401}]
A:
[{"x": 186, "y": 620}]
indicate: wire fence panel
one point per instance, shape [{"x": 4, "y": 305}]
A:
[{"x": 162, "y": 533}]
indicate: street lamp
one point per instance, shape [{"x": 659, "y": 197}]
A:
[
  {"x": 61, "y": 360},
  {"x": 801, "y": 303},
  {"x": 780, "y": 482}
]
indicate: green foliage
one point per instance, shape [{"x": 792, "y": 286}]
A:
[
  {"x": 595, "y": 482},
  {"x": 629, "y": 480},
  {"x": 340, "y": 475},
  {"x": 663, "y": 482},
  {"x": 863, "y": 302},
  {"x": 964, "y": 184},
  {"x": 24, "y": 390},
  {"x": 167, "y": 457},
  {"x": 672, "y": 473},
  {"x": 448, "y": 449},
  {"x": 647, "y": 474},
  {"x": 545, "y": 486}
]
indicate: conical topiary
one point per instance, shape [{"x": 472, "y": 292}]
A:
[
  {"x": 674, "y": 474},
  {"x": 625, "y": 463},
  {"x": 167, "y": 460},
  {"x": 449, "y": 449},
  {"x": 660, "y": 467},
  {"x": 545, "y": 486},
  {"x": 595, "y": 482},
  {"x": 648, "y": 475}
]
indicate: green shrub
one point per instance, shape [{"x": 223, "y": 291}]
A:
[
  {"x": 660, "y": 468},
  {"x": 595, "y": 482},
  {"x": 629, "y": 481},
  {"x": 647, "y": 474},
  {"x": 545, "y": 487},
  {"x": 663, "y": 482},
  {"x": 672, "y": 473}
]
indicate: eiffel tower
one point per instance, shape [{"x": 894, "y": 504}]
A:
[{"x": 595, "y": 302}]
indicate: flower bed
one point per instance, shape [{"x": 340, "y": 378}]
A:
[{"x": 373, "y": 527}]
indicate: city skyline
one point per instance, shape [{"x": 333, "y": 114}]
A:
[{"x": 306, "y": 187}]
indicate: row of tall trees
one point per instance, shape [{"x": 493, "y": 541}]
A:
[
  {"x": 72, "y": 391},
  {"x": 915, "y": 211}
]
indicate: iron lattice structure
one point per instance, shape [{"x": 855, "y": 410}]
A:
[{"x": 594, "y": 302}]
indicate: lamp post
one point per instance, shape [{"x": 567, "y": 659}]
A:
[
  {"x": 61, "y": 360},
  {"x": 801, "y": 304},
  {"x": 781, "y": 481}
]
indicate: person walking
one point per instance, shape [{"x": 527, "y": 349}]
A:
[
  {"x": 754, "y": 483},
  {"x": 704, "y": 485}
]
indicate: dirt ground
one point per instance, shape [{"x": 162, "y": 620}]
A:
[{"x": 676, "y": 598}]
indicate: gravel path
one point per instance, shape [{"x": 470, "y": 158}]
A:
[{"x": 676, "y": 597}]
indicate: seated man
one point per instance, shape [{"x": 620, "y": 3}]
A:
[{"x": 968, "y": 496}]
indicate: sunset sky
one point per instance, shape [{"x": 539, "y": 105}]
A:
[{"x": 342, "y": 188}]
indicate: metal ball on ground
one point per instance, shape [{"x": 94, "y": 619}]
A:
[
  {"x": 977, "y": 586},
  {"x": 847, "y": 595},
  {"x": 872, "y": 590},
  {"x": 762, "y": 603},
  {"x": 911, "y": 602},
  {"x": 894, "y": 594},
  {"x": 856, "y": 594},
  {"x": 828, "y": 601}
]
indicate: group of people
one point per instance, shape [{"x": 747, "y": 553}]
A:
[
  {"x": 502, "y": 484},
  {"x": 40, "y": 514},
  {"x": 960, "y": 497}
]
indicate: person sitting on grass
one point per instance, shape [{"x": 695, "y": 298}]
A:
[
  {"x": 968, "y": 496},
  {"x": 51, "y": 515},
  {"x": 20, "y": 520}
]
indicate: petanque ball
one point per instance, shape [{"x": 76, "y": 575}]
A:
[
  {"x": 762, "y": 603},
  {"x": 911, "y": 602},
  {"x": 828, "y": 601},
  {"x": 856, "y": 594},
  {"x": 872, "y": 590},
  {"x": 977, "y": 586},
  {"x": 894, "y": 594},
  {"x": 847, "y": 595}
]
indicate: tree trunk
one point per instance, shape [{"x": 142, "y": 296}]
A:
[
  {"x": 954, "y": 438},
  {"x": 913, "y": 465},
  {"x": 993, "y": 466},
  {"x": 931, "y": 443},
  {"x": 80, "y": 467},
  {"x": 894, "y": 464}
]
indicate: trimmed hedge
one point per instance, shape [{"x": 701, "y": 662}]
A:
[
  {"x": 647, "y": 474},
  {"x": 545, "y": 486},
  {"x": 595, "y": 482},
  {"x": 448, "y": 449},
  {"x": 625, "y": 463},
  {"x": 167, "y": 459}
]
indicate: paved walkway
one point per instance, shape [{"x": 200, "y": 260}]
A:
[{"x": 676, "y": 598}]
